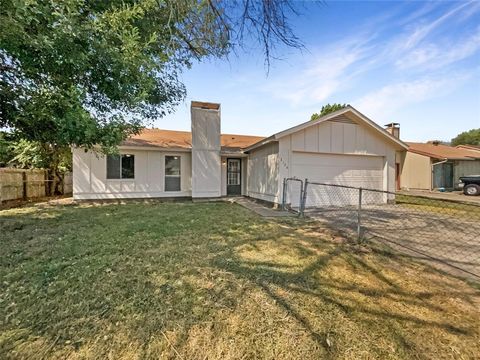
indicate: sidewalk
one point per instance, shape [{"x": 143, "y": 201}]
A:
[{"x": 259, "y": 208}]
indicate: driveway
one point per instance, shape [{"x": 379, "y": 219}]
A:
[{"x": 451, "y": 236}]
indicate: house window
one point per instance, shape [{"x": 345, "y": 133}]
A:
[
  {"x": 121, "y": 166},
  {"x": 172, "y": 173}
]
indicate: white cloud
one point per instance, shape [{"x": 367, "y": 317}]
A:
[
  {"x": 323, "y": 74},
  {"x": 382, "y": 103},
  {"x": 395, "y": 62},
  {"x": 422, "y": 31},
  {"x": 433, "y": 56}
]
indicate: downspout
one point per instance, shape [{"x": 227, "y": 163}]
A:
[{"x": 435, "y": 164}]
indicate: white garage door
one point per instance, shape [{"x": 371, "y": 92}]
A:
[{"x": 351, "y": 170}]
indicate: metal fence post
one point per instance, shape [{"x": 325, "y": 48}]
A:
[
  {"x": 24, "y": 185},
  {"x": 359, "y": 215},
  {"x": 303, "y": 198},
  {"x": 284, "y": 191}
]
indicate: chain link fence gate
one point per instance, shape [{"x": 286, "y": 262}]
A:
[
  {"x": 292, "y": 194},
  {"x": 445, "y": 232}
]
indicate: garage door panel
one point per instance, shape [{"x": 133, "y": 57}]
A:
[
  {"x": 349, "y": 161},
  {"x": 350, "y": 170}
]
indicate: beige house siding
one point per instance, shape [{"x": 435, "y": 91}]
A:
[
  {"x": 354, "y": 147},
  {"x": 90, "y": 176},
  {"x": 263, "y": 176},
  {"x": 341, "y": 136},
  {"x": 416, "y": 172},
  {"x": 206, "y": 162}
]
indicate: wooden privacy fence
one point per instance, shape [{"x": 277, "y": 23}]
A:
[{"x": 24, "y": 184}]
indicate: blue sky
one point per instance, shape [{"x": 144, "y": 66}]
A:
[{"x": 416, "y": 63}]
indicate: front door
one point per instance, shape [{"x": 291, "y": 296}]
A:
[{"x": 234, "y": 176}]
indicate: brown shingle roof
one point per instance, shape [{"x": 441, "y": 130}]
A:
[
  {"x": 443, "y": 151},
  {"x": 171, "y": 139},
  {"x": 469, "y": 147}
]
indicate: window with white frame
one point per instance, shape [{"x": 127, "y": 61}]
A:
[
  {"x": 172, "y": 173},
  {"x": 121, "y": 166}
]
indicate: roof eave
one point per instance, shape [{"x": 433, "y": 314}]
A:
[
  {"x": 435, "y": 156},
  {"x": 154, "y": 147},
  {"x": 260, "y": 143}
]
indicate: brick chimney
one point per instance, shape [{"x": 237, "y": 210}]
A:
[
  {"x": 206, "y": 164},
  {"x": 393, "y": 129}
]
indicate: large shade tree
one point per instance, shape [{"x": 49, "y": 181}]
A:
[
  {"x": 470, "y": 137},
  {"x": 86, "y": 73}
]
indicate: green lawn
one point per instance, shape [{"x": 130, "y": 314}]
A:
[
  {"x": 214, "y": 281},
  {"x": 445, "y": 207}
]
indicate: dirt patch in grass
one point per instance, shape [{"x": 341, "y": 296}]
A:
[{"x": 197, "y": 281}]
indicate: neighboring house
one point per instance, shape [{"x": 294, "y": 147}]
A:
[
  {"x": 432, "y": 165},
  {"x": 344, "y": 147},
  {"x": 469, "y": 147}
]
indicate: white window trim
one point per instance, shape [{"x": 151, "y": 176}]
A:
[{"x": 172, "y": 176}]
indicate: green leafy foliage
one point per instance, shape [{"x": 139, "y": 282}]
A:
[
  {"x": 26, "y": 154},
  {"x": 82, "y": 73},
  {"x": 327, "y": 109},
  {"x": 91, "y": 73},
  {"x": 5, "y": 149},
  {"x": 32, "y": 155},
  {"x": 471, "y": 137}
]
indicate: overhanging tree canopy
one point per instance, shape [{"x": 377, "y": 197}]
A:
[{"x": 76, "y": 72}]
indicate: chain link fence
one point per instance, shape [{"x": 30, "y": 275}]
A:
[{"x": 446, "y": 233}]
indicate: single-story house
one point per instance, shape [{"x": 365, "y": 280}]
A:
[
  {"x": 344, "y": 147},
  {"x": 432, "y": 165}
]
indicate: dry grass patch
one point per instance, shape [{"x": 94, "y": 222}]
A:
[
  {"x": 214, "y": 281},
  {"x": 443, "y": 207}
]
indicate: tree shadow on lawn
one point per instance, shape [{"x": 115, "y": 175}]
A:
[
  {"x": 385, "y": 305},
  {"x": 215, "y": 281}
]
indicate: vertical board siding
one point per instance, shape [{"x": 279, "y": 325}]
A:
[
  {"x": 263, "y": 173},
  {"x": 27, "y": 183},
  {"x": 90, "y": 181},
  {"x": 339, "y": 137},
  {"x": 465, "y": 168}
]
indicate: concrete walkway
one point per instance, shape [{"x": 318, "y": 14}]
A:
[{"x": 259, "y": 208}]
